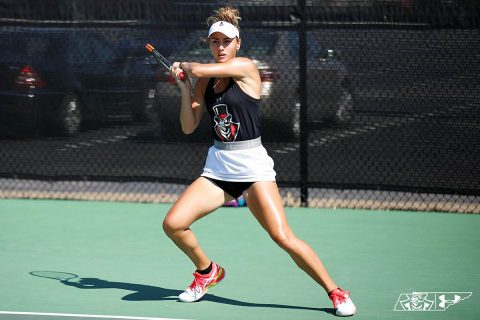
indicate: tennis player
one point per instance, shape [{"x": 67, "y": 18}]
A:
[{"x": 237, "y": 163}]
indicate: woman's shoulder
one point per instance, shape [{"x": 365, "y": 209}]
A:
[
  {"x": 246, "y": 68},
  {"x": 243, "y": 61}
]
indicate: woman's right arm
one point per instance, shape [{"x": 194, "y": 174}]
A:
[{"x": 191, "y": 108}]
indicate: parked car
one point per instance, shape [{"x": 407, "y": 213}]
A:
[
  {"x": 61, "y": 78},
  {"x": 276, "y": 55}
]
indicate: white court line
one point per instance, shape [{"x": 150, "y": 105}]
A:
[{"x": 82, "y": 315}]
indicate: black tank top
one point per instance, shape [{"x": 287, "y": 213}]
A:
[{"x": 235, "y": 116}]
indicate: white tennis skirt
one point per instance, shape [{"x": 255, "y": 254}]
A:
[{"x": 246, "y": 165}]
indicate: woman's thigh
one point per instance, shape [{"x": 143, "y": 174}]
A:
[
  {"x": 199, "y": 199},
  {"x": 264, "y": 201}
]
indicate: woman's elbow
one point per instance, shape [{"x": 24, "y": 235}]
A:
[{"x": 188, "y": 129}]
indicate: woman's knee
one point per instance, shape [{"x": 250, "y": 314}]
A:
[
  {"x": 167, "y": 225},
  {"x": 284, "y": 239},
  {"x": 171, "y": 225}
]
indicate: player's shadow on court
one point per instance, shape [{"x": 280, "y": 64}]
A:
[{"x": 143, "y": 292}]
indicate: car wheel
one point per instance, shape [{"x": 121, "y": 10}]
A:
[
  {"x": 344, "y": 113},
  {"x": 68, "y": 119}
]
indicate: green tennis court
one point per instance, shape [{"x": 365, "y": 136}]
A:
[{"x": 130, "y": 270}]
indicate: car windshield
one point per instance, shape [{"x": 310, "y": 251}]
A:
[
  {"x": 17, "y": 46},
  {"x": 33, "y": 44},
  {"x": 313, "y": 47},
  {"x": 258, "y": 46}
]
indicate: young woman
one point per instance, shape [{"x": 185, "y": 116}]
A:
[{"x": 237, "y": 164}]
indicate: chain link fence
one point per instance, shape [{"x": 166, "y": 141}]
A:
[{"x": 365, "y": 104}]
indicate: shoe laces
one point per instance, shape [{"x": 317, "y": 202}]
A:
[
  {"x": 338, "y": 296},
  {"x": 198, "y": 281}
]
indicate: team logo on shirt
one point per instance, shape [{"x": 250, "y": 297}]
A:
[{"x": 225, "y": 128}]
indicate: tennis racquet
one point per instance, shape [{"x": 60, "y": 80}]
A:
[
  {"x": 163, "y": 60},
  {"x": 56, "y": 275}
]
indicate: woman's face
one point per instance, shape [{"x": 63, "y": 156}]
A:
[{"x": 222, "y": 47}]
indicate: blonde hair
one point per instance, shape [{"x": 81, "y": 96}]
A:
[{"x": 228, "y": 14}]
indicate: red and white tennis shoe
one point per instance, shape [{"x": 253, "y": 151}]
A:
[
  {"x": 342, "y": 303},
  {"x": 201, "y": 283}
]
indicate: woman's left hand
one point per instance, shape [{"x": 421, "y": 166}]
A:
[{"x": 176, "y": 71}]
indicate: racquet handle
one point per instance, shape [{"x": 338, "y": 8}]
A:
[
  {"x": 181, "y": 75},
  {"x": 160, "y": 58}
]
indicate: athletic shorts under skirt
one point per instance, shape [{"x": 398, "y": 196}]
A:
[
  {"x": 245, "y": 165},
  {"x": 235, "y": 189}
]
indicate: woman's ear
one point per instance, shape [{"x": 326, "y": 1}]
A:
[{"x": 238, "y": 43}]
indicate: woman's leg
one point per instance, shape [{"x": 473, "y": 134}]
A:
[
  {"x": 198, "y": 200},
  {"x": 263, "y": 200}
]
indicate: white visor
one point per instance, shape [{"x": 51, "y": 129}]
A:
[{"x": 224, "y": 27}]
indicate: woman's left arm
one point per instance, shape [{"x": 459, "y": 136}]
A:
[{"x": 237, "y": 68}]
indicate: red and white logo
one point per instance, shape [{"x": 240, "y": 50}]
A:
[{"x": 225, "y": 128}]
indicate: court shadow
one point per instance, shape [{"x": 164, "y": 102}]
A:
[
  {"x": 143, "y": 292},
  {"x": 217, "y": 299}
]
